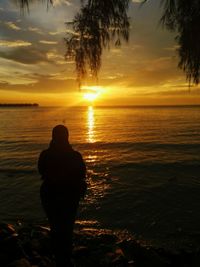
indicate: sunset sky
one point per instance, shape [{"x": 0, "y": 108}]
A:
[{"x": 142, "y": 72}]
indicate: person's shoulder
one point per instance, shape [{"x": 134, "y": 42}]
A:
[
  {"x": 77, "y": 154},
  {"x": 44, "y": 152}
]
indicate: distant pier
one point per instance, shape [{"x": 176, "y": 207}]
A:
[{"x": 18, "y": 105}]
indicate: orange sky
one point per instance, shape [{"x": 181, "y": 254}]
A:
[{"x": 142, "y": 72}]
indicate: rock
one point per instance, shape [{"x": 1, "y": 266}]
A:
[
  {"x": 131, "y": 263},
  {"x": 143, "y": 256},
  {"x": 30, "y": 246},
  {"x": 107, "y": 238},
  {"x": 46, "y": 262},
  {"x": 10, "y": 250},
  {"x": 36, "y": 238},
  {"x": 119, "y": 251},
  {"x": 120, "y": 261},
  {"x": 6, "y": 231},
  {"x": 80, "y": 251},
  {"x": 35, "y": 258},
  {"x": 20, "y": 263}
]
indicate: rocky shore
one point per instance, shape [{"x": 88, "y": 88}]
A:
[{"x": 30, "y": 246}]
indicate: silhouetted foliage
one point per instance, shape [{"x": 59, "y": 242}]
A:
[
  {"x": 100, "y": 22},
  {"x": 95, "y": 27},
  {"x": 24, "y": 4},
  {"x": 183, "y": 17}
]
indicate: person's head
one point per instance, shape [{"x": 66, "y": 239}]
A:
[{"x": 60, "y": 134}]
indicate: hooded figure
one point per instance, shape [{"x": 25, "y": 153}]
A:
[{"x": 63, "y": 173}]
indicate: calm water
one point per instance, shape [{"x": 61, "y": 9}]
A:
[{"x": 143, "y": 168}]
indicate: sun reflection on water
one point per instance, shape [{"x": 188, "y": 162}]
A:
[
  {"x": 90, "y": 125},
  {"x": 97, "y": 177}
]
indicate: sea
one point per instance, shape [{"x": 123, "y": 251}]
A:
[{"x": 143, "y": 168}]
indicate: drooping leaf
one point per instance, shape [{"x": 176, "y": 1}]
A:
[
  {"x": 98, "y": 24},
  {"x": 183, "y": 17}
]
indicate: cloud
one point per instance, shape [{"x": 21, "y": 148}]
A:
[
  {"x": 57, "y": 32},
  {"x": 12, "y": 26},
  {"x": 172, "y": 48},
  {"x": 137, "y": 1},
  {"x": 42, "y": 84},
  {"x": 145, "y": 73},
  {"x": 180, "y": 92},
  {"x": 48, "y": 42},
  {"x": 25, "y": 55},
  {"x": 55, "y": 57},
  {"x": 35, "y": 29},
  {"x": 60, "y": 2},
  {"x": 13, "y": 43}
]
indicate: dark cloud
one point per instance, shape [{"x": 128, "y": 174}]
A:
[
  {"x": 43, "y": 84},
  {"x": 25, "y": 55}
]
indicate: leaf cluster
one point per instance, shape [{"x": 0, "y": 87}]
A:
[
  {"x": 24, "y": 4},
  {"x": 98, "y": 24},
  {"x": 183, "y": 16},
  {"x": 102, "y": 22}
]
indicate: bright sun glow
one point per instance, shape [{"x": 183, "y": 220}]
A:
[
  {"x": 90, "y": 96},
  {"x": 91, "y": 93}
]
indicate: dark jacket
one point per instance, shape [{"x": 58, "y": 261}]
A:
[{"x": 63, "y": 170}]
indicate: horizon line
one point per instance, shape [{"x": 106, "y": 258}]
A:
[
  {"x": 124, "y": 106},
  {"x": 99, "y": 106}
]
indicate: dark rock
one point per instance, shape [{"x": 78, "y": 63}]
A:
[
  {"x": 6, "y": 231},
  {"x": 143, "y": 256},
  {"x": 31, "y": 246},
  {"x": 20, "y": 263},
  {"x": 10, "y": 250},
  {"x": 119, "y": 262},
  {"x": 107, "y": 238},
  {"x": 80, "y": 251},
  {"x": 36, "y": 238}
]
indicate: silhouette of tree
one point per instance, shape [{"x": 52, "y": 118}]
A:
[
  {"x": 101, "y": 22},
  {"x": 25, "y": 3},
  {"x": 183, "y": 17},
  {"x": 98, "y": 23}
]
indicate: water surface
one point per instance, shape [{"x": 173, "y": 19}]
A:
[{"x": 143, "y": 167}]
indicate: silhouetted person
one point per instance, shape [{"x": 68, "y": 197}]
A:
[{"x": 63, "y": 174}]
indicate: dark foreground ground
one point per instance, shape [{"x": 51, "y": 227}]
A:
[{"x": 30, "y": 246}]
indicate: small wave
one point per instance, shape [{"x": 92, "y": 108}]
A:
[
  {"x": 138, "y": 145},
  {"x": 17, "y": 171},
  {"x": 27, "y": 144},
  {"x": 13, "y": 142},
  {"x": 189, "y": 165}
]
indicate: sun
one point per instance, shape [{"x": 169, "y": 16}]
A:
[
  {"x": 91, "y": 93},
  {"x": 90, "y": 96}
]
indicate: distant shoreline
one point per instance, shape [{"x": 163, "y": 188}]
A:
[
  {"x": 125, "y": 106},
  {"x": 19, "y": 105},
  {"x": 100, "y": 106}
]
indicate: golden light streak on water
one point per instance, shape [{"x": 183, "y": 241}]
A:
[{"x": 90, "y": 125}]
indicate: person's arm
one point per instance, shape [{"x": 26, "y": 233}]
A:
[
  {"x": 41, "y": 163},
  {"x": 83, "y": 177},
  {"x": 83, "y": 169}
]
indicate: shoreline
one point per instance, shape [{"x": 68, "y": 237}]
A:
[{"x": 29, "y": 245}]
